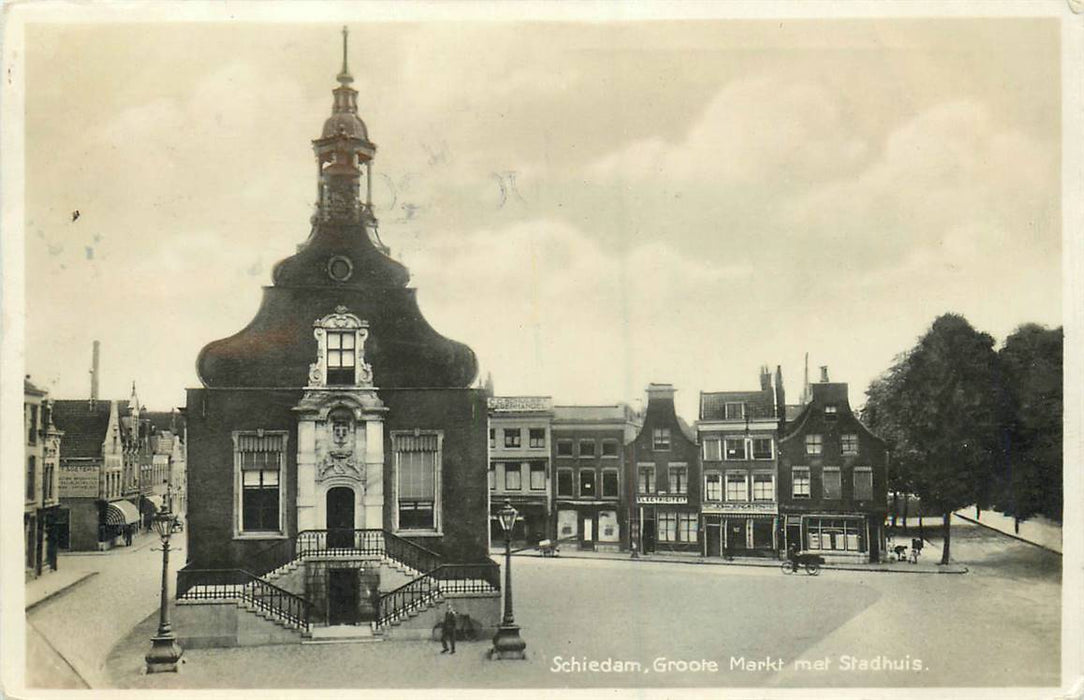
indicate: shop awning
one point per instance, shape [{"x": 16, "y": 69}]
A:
[
  {"x": 121, "y": 513},
  {"x": 152, "y": 503}
]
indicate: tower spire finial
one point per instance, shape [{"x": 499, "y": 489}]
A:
[{"x": 344, "y": 77}]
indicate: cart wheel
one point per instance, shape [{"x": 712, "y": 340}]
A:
[
  {"x": 813, "y": 569},
  {"x": 786, "y": 567}
]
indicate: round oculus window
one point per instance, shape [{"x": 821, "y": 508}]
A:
[{"x": 340, "y": 268}]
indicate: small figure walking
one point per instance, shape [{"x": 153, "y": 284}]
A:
[
  {"x": 447, "y": 632},
  {"x": 128, "y": 535}
]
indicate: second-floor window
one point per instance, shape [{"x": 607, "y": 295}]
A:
[
  {"x": 47, "y": 482},
  {"x": 492, "y": 476},
  {"x": 492, "y": 437},
  {"x": 737, "y": 487},
  {"x": 763, "y": 487},
  {"x": 678, "y": 480},
  {"x": 564, "y": 482},
  {"x": 799, "y": 482},
  {"x": 609, "y": 448},
  {"x": 609, "y": 483},
  {"x": 660, "y": 439},
  {"x": 831, "y": 480},
  {"x": 538, "y": 476},
  {"x": 564, "y": 448},
  {"x": 513, "y": 477},
  {"x": 32, "y": 434},
  {"x": 341, "y": 356},
  {"x": 735, "y": 448},
  {"x": 587, "y": 448},
  {"x": 863, "y": 484},
  {"x": 31, "y": 472},
  {"x": 512, "y": 437},
  {"x": 261, "y": 459},
  {"x": 848, "y": 443},
  {"x": 536, "y": 437},
  {"x": 713, "y": 486},
  {"x": 587, "y": 483},
  {"x": 713, "y": 449},
  {"x": 814, "y": 444},
  {"x": 646, "y": 482}
]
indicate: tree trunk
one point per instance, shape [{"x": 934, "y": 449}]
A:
[
  {"x": 946, "y": 532},
  {"x": 895, "y": 507},
  {"x": 906, "y": 502},
  {"x": 1016, "y": 524},
  {"x": 978, "y": 512}
]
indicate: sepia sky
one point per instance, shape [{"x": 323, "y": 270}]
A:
[{"x": 590, "y": 206}]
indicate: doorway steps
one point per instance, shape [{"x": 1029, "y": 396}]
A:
[{"x": 344, "y": 634}]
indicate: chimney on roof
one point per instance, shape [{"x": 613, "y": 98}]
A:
[
  {"x": 765, "y": 378},
  {"x": 824, "y": 373},
  {"x": 94, "y": 374},
  {"x": 805, "y": 382}
]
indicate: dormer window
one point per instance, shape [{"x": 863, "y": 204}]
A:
[
  {"x": 340, "y": 339},
  {"x": 734, "y": 411},
  {"x": 830, "y": 411}
]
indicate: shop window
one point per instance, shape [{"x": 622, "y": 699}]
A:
[
  {"x": 713, "y": 486},
  {"x": 609, "y": 448},
  {"x": 737, "y": 487},
  {"x": 837, "y": 534},
  {"x": 646, "y": 482},
  {"x": 713, "y": 449},
  {"x": 848, "y": 443},
  {"x": 831, "y": 480},
  {"x": 679, "y": 482},
  {"x": 564, "y": 448},
  {"x": 762, "y": 448},
  {"x": 512, "y": 437},
  {"x": 536, "y": 437},
  {"x": 667, "y": 526},
  {"x": 538, "y": 476},
  {"x": 417, "y": 461},
  {"x": 687, "y": 527},
  {"x": 587, "y": 448},
  {"x": 660, "y": 439},
  {"x": 735, "y": 448},
  {"x": 260, "y": 458},
  {"x": 587, "y": 483},
  {"x": 814, "y": 444},
  {"x": 609, "y": 483},
  {"x": 863, "y": 484},
  {"x": 564, "y": 482},
  {"x": 513, "y": 477}
]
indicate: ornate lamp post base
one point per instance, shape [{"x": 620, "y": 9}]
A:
[
  {"x": 164, "y": 654},
  {"x": 507, "y": 644}
]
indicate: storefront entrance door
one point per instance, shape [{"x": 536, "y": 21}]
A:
[
  {"x": 342, "y": 597},
  {"x": 588, "y": 541},
  {"x": 735, "y": 534},
  {"x": 649, "y": 536},
  {"x": 714, "y": 539},
  {"x": 340, "y": 518}
]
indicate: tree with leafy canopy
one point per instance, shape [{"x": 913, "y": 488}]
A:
[
  {"x": 1031, "y": 361},
  {"x": 940, "y": 408}
]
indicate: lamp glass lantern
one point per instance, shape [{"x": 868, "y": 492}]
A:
[{"x": 507, "y": 515}]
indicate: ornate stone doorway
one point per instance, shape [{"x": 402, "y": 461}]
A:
[{"x": 340, "y": 518}]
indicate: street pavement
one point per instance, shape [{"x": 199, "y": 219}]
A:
[
  {"x": 700, "y": 626},
  {"x": 71, "y": 632}
]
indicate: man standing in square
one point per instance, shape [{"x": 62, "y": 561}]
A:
[{"x": 447, "y": 634}]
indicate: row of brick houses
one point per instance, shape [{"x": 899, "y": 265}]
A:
[{"x": 753, "y": 477}]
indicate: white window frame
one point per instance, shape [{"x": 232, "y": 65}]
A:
[
  {"x": 752, "y": 447},
  {"x": 683, "y": 470},
  {"x": 341, "y": 321},
  {"x": 594, "y": 482},
  {"x": 438, "y": 466},
  {"x": 579, "y": 448},
  {"x": 730, "y": 404},
  {"x": 715, "y": 454},
  {"x": 814, "y": 444},
  {"x": 518, "y": 471},
  {"x": 843, "y": 444},
  {"x": 640, "y": 468},
  {"x": 707, "y": 490},
  {"x": 238, "y": 501},
  {"x": 510, "y": 432},
  {"x": 805, "y": 472},
  {"x": 565, "y": 441},
  {"x": 531, "y": 471},
  {"x": 616, "y": 445},
  {"x": 661, "y": 439},
  {"x": 726, "y": 449},
  {"x": 531, "y": 440},
  {"x": 726, "y": 487},
  {"x": 753, "y": 483},
  {"x": 688, "y": 527},
  {"x": 571, "y": 482}
]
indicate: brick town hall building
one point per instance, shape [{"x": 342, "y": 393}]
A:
[{"x": 337, "y": 452}]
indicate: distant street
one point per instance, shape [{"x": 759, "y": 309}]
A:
[
  {"x": 998, "y": 625},
  {"x": 69, "y": 637}
]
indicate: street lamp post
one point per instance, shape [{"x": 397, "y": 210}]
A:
[
  {"x": 165, "y": 652},
  {"x": 507, "y": 644}
]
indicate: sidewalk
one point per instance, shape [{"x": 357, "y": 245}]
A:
[
  {"x": 140, "y": 540},
  {"x": 927, "y": 565},
  {"x": 1036, "y": 531},
  {"x": 53, "y": 584}
]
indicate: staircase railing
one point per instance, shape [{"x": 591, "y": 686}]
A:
[
  {"x": 366, "y": 542},
  {"x": 482, "y": 577},
  {"x": 238, "y": 584}
]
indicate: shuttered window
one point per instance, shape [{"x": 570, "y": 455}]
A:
[
  {"x": 417, "y": 458},
  {"x": 261, "y": 458}
]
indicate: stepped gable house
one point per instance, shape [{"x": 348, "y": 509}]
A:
[
  {"x": 833, "y": 492},
  {"x": 337, "y": 419}
]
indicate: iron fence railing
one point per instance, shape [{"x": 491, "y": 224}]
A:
[
  {"x": 483, "y": 577},
  {"x": 370, "y": 542},
  {"x": 238, "y": 584}
]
